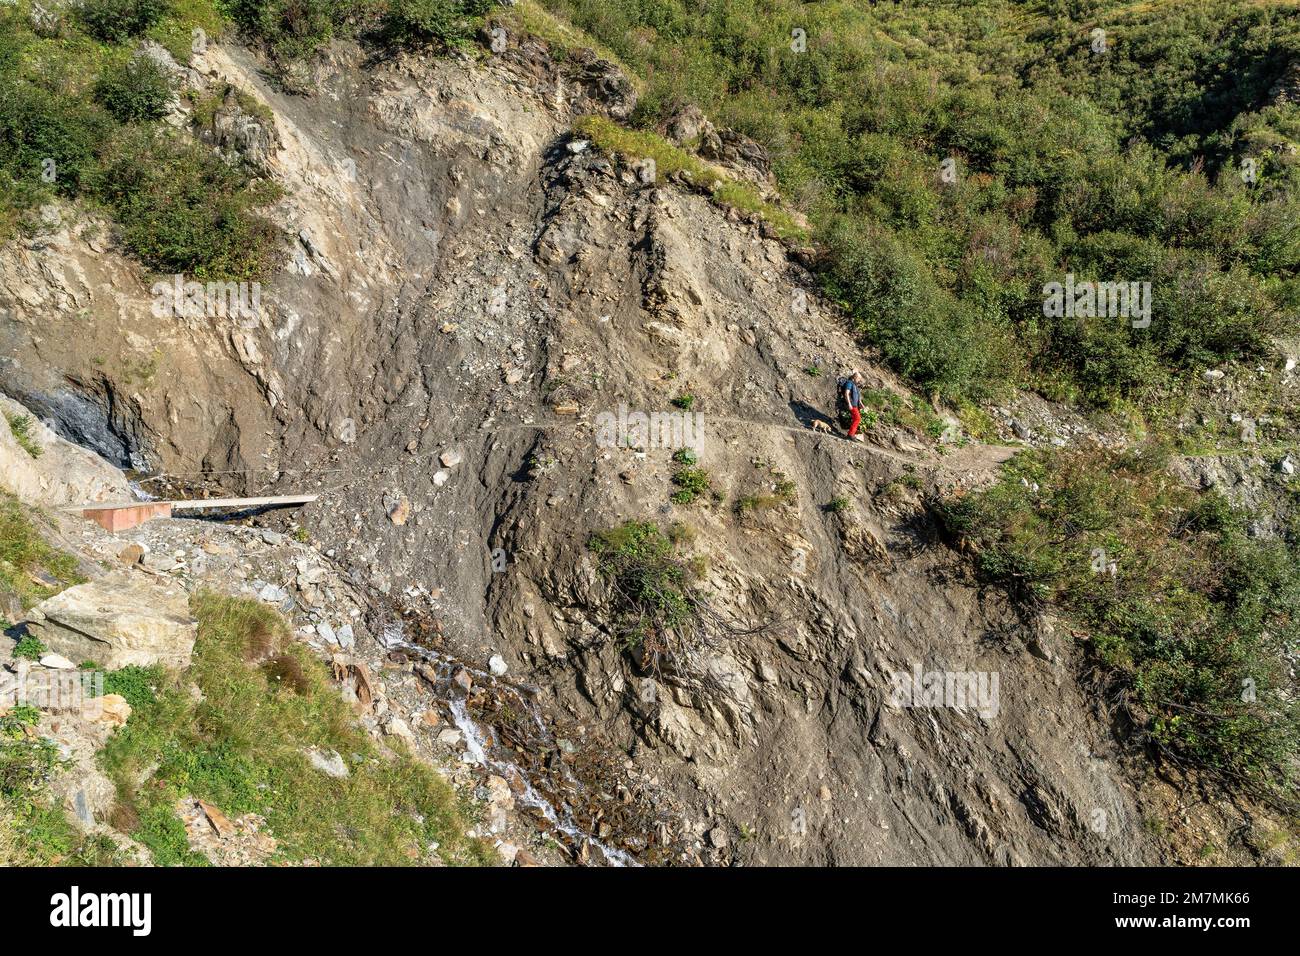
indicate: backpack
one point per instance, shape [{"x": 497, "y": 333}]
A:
[{"x": 842, "y": 410}]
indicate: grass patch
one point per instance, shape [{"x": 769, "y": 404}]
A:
[
  {"x": 1189, "y": 618},
  {"x": 33, "y": 830},
  {"x": 21, "y": 427},
  {"x": 782, "y": 491},
  {"x": 640, "y": 146},
  {"x": 240, "y": 745},
  {"x": 30, "y": 568}
]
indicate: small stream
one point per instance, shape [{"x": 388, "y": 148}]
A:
[{"x": 481, "y": 744}]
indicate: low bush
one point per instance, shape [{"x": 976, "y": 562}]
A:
[
  {"x": 136, "y": 90},
  {"x": 1188, "y": 616},
  {"x": 182, "y": 210},
  {"x": 21, "y": 428},
  {"x": 114, "y": 21},
  {"x": 446, "y": 22},
  {"x": 691, "y": 483}
]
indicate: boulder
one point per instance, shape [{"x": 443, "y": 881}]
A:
[{"x": 121, "y": 619}]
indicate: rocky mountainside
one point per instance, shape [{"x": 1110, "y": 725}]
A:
[{"x": 470, "y": 294}]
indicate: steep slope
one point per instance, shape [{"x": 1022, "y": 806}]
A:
[{"x": 468, "y": 290}]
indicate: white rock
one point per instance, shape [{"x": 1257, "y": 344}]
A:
[
  {"x": 497, "y": 665},
  {"x": 440, "y": 477},
  {"x": 396, "y": 727},
  {"x": 328, "y": 762},
  {"x": 1287, "y": 466},
  {"x": 450, "y": 459},
  {"x": 57, "y": 662}
]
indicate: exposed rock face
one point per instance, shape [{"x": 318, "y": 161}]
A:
[
  {"x": 62, "y": 474},
  {"x": 238, "y": 134},
  {"x": 121, "y": 619},
  {"x": 464, "y": 239}
]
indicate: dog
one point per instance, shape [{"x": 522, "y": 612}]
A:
[{"x": 820, "y": 426}]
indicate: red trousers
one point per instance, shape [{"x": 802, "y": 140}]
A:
[{"x": 857, "y": 420}]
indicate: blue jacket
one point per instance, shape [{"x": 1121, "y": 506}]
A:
[{"x": 855, "y": 395}]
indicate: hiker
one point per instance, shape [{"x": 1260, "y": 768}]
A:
[{"x": 849, "y": 400}]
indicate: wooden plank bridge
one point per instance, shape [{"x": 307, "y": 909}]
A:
[{"x": 127, "y": 515}]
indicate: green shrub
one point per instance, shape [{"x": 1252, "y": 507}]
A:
[
  {"x": 182, "y": 210},
  {"x": 433, "y": 21},
  {"x": 114, "y": 21},
  {"x": 691, "y": 484},
  {"x": 41, "y": 129},
  {"x": 137, "y": 685},
  {"x": 1192, "y": 625},
  {"x": 293, "y": 28},
  {"x": 685, "y": 402},
  {"x": 136, "y": 90},
  {"x": 26, "y": 762},
  {"x": 652, "y": 585},
  {"x": 29, "y": 648}
]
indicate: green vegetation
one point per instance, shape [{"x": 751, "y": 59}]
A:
[
  {"x": 782, "y": 492},
  {"x": 78, "y": 121},
  {"x": 183, "y": 210},
  {"x": 1188, "y": 616},
  {"x": 30, "y": 569},
  {"x": 691, "y": 483},
  {"x": 653, "y": 587},
  {"x": 240, "y": 743},
  {"x": 640, "y": 146},
  {"x": 1123, "y": 165},
  {"x": 138, "y": 89},
  {"x": 685, "y": 401},
  {"x": 115, "y": 21},
  {"x": 21, "y": 427},
  {"x": 29, "y": 648},
  {"x": 80, "y": 118},
  {"x": 427, "y": 21},
  {"x": 529, "y": 17}
]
